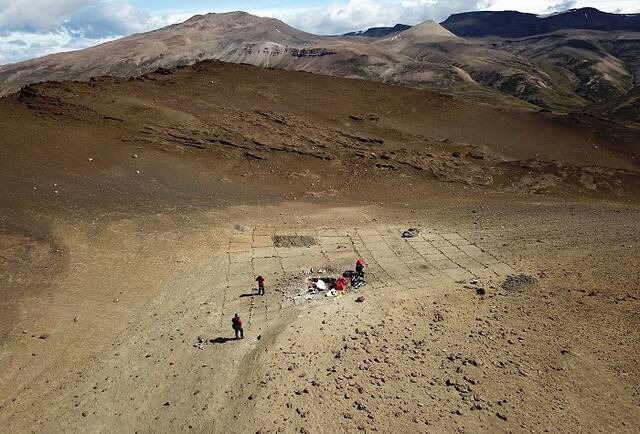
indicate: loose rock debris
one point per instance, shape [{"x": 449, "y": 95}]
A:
[
  {"x": 519, "y": 282},
  {"x": 411, "y": 233},
  {"x": 285, "y": 241},
  {"x": 200, "y": 343}
]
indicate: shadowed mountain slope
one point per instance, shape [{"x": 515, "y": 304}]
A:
[
  {"x": 591, "y": 55},
  {"x": 512, "y": 24},
  {"x": 380, "y": 32}
]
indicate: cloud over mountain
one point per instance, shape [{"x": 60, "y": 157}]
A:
[
  {"x": 31, "y": 28},
  {"x": 342, "y": 17}
]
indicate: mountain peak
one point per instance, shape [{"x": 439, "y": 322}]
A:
[
  {"x": 214, "y": 15},
  {"x": 429, "y": 29}
]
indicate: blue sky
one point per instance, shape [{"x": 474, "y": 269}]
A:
[{"x": 32, "y": 28}]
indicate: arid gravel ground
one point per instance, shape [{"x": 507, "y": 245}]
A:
[{"x": 127, "y": 245}]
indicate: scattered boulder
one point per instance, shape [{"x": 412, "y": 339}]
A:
[
  {"x": 200, "y": 343},
  {"x": 360, "y": 299}
]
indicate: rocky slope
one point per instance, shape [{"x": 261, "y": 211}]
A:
[
  {"x": 626, "y": 107},
  {"x": 591, "y": 66},
  {"x": 591, "y": 55},
  {"x": 336, "y": 132}
]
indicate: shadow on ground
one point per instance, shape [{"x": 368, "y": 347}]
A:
[{"x": 221, "y": 340}]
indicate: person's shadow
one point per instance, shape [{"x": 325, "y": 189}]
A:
[
  {"x": 251, "y": 294},
  {"x": 221, "y": 340}
]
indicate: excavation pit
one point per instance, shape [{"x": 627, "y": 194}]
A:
[{"x": 286, "y": 241}]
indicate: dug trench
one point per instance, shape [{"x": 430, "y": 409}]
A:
[{"x": 136, "y": 214}]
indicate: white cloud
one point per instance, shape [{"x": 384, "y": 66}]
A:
[
  {"x": 353, "y": 15},
  {"x": 90, "y": 17},
  {"x": 37, "y": 15},
  {"x": 19, "y": 45},
  {"x": 112, "y": 17},
  {"x": 33, "y": 28}
]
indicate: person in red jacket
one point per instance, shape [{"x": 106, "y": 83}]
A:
[
  {"x": 260, "y": 281},
  {"x": 341, "y": 284},
  {"x": 236, "y": 324}
]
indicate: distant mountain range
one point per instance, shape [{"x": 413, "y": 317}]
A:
[
  {"x": 511, "y": 24},
  {"x": 564, "y": 62},
  {"x": 592, "y": 54}
]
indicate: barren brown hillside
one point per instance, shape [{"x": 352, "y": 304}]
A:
[{"x": 135, "y": 215}]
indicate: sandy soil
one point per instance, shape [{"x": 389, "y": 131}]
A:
[{"x": 118, "y": 287}]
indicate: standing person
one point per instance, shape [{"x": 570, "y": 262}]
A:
[
  {"x": 260, "y": 281},
  {"x": 360, "y": 267},
  {"x": 357, "y": 280},
  {"x": 236, "y": 324}
]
